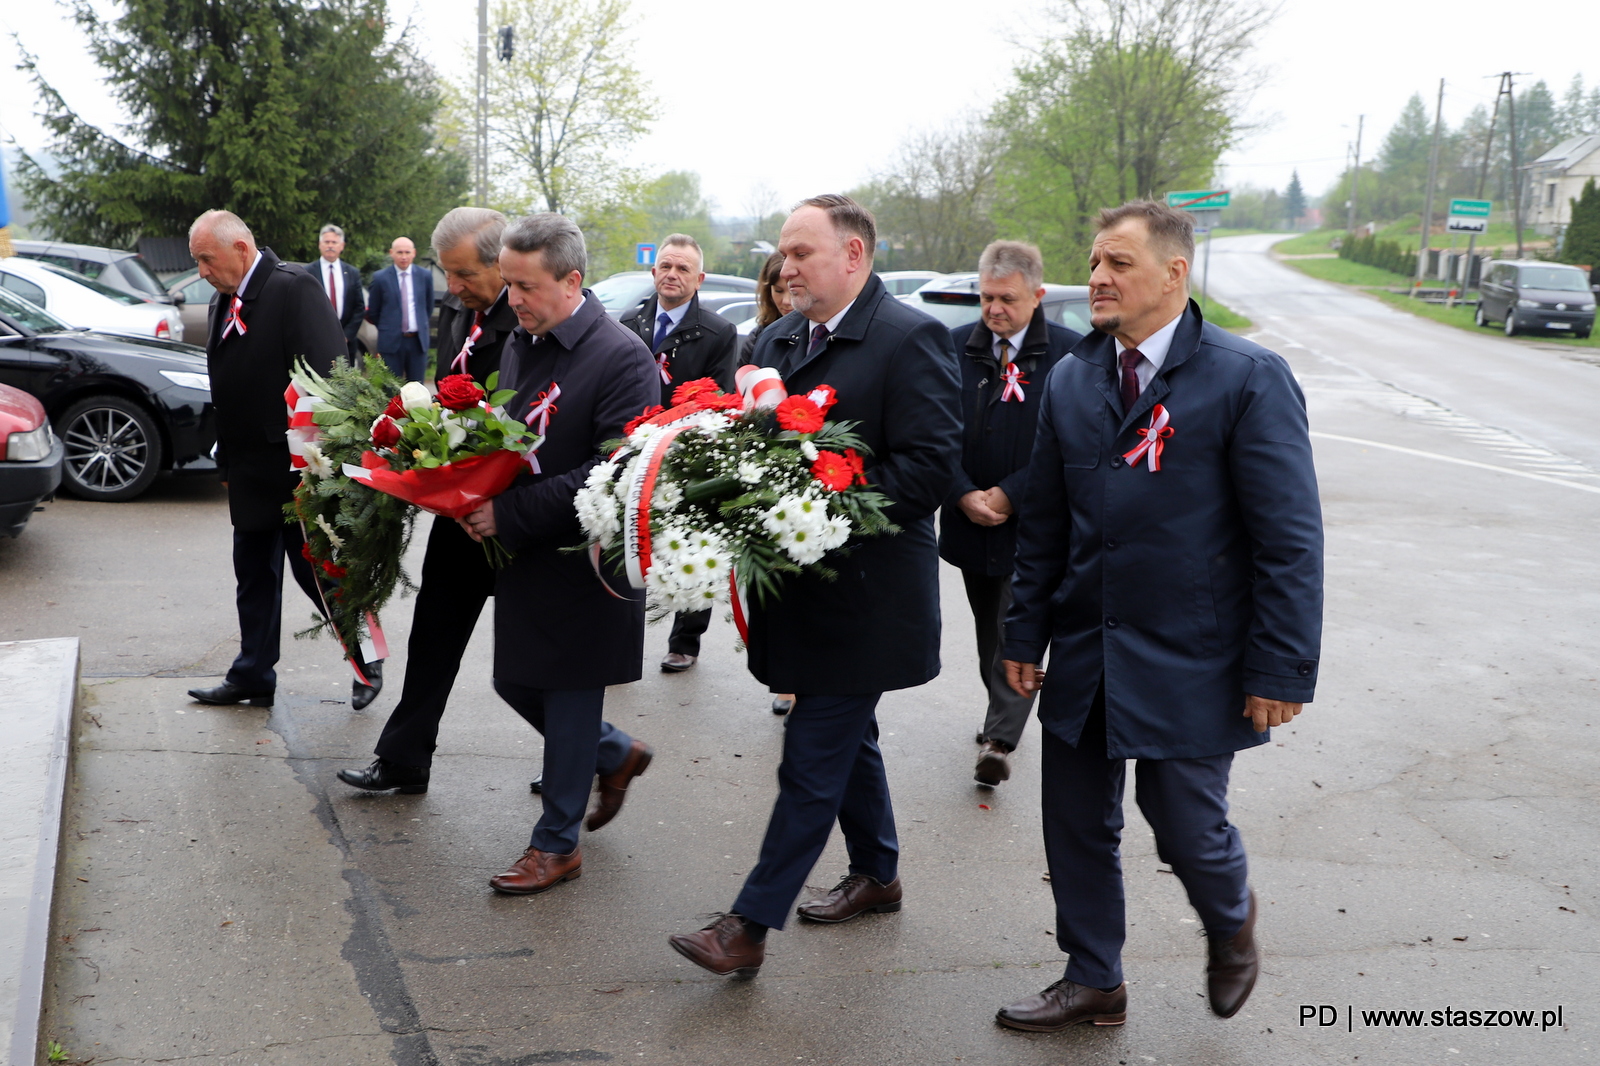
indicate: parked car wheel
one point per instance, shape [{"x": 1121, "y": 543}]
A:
[
  {"x": 1582, "y": 334},
  {"x": 113, "y": 449},
  {"x": 1511, "y": 323},
  {"x": 1479, "y": 317}
]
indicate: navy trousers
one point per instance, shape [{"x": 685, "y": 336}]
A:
[
  {"x": 258, "y": 557},
  {"x": 578, "y": 743},
  {"x": 831, "y": 770},
  {"x": 1186, "y": 803},
  {"x": 456, "y": 580},
  {"x": 410, "y": 363}
]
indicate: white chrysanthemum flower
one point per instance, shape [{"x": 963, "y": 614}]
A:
[
  {"x": 670, "y": 544},
  {"x": 667, "y": 496},
  {"x": 836, "y": 532},
  {"x": 333, "y": 538},
  {"x": 808, "y": 450},
  {"x": 414, "y": 394},
  {"x": 802, "y": 545},
  {"x": 641, "y": 436},
  {"x": 751, "y": 473},
  {"x": 316, "y": 463}
]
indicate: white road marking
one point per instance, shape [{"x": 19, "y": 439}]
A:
[{"x": 1458, "y": 461}]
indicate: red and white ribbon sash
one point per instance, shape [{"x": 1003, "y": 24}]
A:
[
  {"x": 1154, "y": 443},
  {"x": 636, "y": 512},
  {"x": 1014, "y": 383},
  {"x": 302, "y": 424},
  {"x": 761, "y": 386},
  {"x": 233, "y": 321},
  {"x": 661, "y": 365},
  {"x": 540, "y": 413},
  {"x": 459, "y": 363}
]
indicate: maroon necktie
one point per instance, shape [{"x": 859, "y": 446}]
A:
[
  {"x": 1130, "y": 378},
  {"x": 818, "y": 335}
]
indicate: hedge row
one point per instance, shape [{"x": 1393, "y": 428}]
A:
[{"x": 1385, "y": 255}]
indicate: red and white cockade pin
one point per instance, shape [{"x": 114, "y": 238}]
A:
[
  {"x": 1155, "y": 440},
  {"x": 1014, "y": 382}
]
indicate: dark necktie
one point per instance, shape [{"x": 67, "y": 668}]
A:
[
  {"x": 333, "y": 293},
  {"x": 663, "y": 325},
  {"x": 818, "y": 337},
  {"x": 1130, "y": 378}
]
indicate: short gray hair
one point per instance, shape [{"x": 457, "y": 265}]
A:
[
  {"x": 557, "y": 236},
  {"x": 225, "y": 226},
  {"x": 330, "y": 228},
  {"x": 483, "y": 225},
  {"x": 1005, "y": 258},
  {"x": 683, "y": 240}
]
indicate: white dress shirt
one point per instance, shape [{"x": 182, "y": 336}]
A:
[
  {"x": 244, "y": 282},
  {"x": 333, "y": 273},
  {"x": 1015, "y": 340},
  {"x": 675, "y": 316},
  {"x": 408, "y": 301},
  {"x": 1154, "y": 349},
  {"x": 833, "y": 323}
]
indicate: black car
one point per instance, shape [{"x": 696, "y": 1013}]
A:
[
  {"x": 126, "y": 408},
  {"x": 1534, "y": 297}
]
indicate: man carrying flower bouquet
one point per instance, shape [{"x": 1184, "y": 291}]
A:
[
  {"x": 474, "y": 323},
  {"x": 840, "y": 644},
  {"x": 561, "y": 636}
]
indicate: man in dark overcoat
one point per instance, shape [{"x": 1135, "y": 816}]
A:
[
  {"x": 266, "y": 314},
  {"x": 1005, "y": 356},
  {"x": 474, "y": 322},
  {"x": 561, "y": 636},
  {"x": 840, "y": 644},
  {"x": 689, "y": 342},
  {"x": 1170, "y": 561}
]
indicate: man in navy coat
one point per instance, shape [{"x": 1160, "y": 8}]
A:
[
  {"x": 840, "y": 644},
  {"x": 400, "y": 303},
  {"x": 1005, "y": 357},
  {"x": 1170, "y": 560},
  {"x": 560, "y": 636}
]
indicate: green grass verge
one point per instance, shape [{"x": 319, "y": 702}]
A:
[
  {"x": 1345, "y": 272},
  {"x": 1308, "y": 243},
  {"x": 1224, "y": 316},
  {"x": 1461, "y": 316}
]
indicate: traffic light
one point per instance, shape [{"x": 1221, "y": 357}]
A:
[{"x": 507, "y": 43}]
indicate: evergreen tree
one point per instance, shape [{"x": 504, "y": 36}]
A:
[
  {"x": 291, "y": 113},
  {"x": 1581, "y": 244},
  {"x": 1294, "y": 200}
]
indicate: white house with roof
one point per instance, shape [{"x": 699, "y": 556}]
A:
[{"x": 1556, "y": 178}]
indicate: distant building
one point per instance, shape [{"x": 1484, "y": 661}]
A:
[{"x": 1556, "y": 178}]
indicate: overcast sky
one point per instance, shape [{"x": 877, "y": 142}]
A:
[{"x": 811, "y": 98}]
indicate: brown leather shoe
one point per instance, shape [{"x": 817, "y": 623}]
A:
[
  {"x": 676, "y": 662},
  {"x": 854, "y": 895},
  {"x": 723, "y": 947},
  {"x": 1063, "y": 1004},
  {"x": 614, "y": 786},
  {"x": 538, "y": 871},
  {"x": 1232, "y": 967},
  {"x": 993, "y": 766}
]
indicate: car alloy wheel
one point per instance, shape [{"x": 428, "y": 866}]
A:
[
  {"x": 113, "y": 449},
  {"x": 1478, "y": 317},
  {"x": 1511, "y": 323}
]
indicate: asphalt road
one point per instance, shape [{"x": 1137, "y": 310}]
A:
[{"x": 1424, "y": 836}]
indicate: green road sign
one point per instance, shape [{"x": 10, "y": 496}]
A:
[
  {"x": 1471, "y": 208},
  {"x": 1468, "y": 216},
  {"x": 1199, "y": 199}
]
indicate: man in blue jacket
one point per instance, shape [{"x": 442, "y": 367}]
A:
[
  {"x": 1005, "y": 357},
  {"x": 1170, "y": 560},
  {"x": 399, "y": 303}
]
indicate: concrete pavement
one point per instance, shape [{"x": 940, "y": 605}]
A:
[{"x": 1424, "y": 836}]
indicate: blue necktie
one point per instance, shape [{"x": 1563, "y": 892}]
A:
[
  {"x": 818, "y": 336},
  {"x": 663, "y": 327}
]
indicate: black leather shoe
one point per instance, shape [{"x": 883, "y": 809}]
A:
[
  {"x": 1065, "y": 1004},
  {"x": 536, "y": 786},
  {"x": 228, "y": 692},
  {"x": 383, "y": 775},
  {"x": 782, "y": 706},
  {"x": 677, "y": 662},
  {"x": 362, "y": 695},
  {"x": 1232, "y": 966}
]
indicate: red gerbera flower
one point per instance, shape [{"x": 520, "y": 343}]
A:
[
  {"x": 701, "y": 389},
  {"x": 645, "y": 416},
  {"x": 857, "y": 465},
  {"x": 800, "y": 414},
  {"x": 727, "y": 402},
  {"x": 833, "y": 470}
]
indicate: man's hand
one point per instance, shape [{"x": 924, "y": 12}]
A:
[
  {"x": 479, "y": 523},
  {"x": 975, "y": 505},
  {"x": 1268, "y": 713},
  {"x": 1024, "y": 678},
  {"x": 998, "y": 501}
]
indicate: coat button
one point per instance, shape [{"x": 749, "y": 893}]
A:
[
  {"x": 1306, "y": 668},
  {"x": 1111, "y": 545},
  {"x": 1111, "y": 623},
  {"x": 1116, "y": 461}
]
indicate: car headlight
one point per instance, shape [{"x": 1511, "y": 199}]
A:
[
  {"x": 188, "y": 379},
  {"x": 1586, "y": 307},
  {"x": 31, "y": 446},
  {"x": 1520, "y": 303}
]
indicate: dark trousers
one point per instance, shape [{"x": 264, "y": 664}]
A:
[
  {"x": 687, "y": 629},
  {"x": 990, "y": 599},
  {"x": 410, "y": 362},
  {"x": 578, "y": 743},
  {"x": 831, "y": 770},
  {"x": 1186, "y": 803},
  {"x": 456, "y": 580},
  {"x": 258, "y": 557}
]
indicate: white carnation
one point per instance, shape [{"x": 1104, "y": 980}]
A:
[{"x": 751, "y": 473}]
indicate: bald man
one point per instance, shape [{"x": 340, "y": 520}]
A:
[{"x": 399, "y": 303}]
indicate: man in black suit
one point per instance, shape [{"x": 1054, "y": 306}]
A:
[
  {"x": 400, "y": 303},
  {"x": 341, "y": 282},
  {"x": 561, "y": 636},
  {"x": 474, "y": 323},
  {"x": 1005, "y": 357},
  {"x": 265, "y": 315},
  {"x": 840, "y": 644},
  {"x": 689, "y": 343}
]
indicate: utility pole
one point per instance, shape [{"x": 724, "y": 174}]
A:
[
  {"x": 1516, "y": 173},
  {"x": 1427, "y": 201},
  {"x": 481, "y": 161},
  {"x": 1483, "y": 177},
  {"x": 1355, "y": 175}
]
